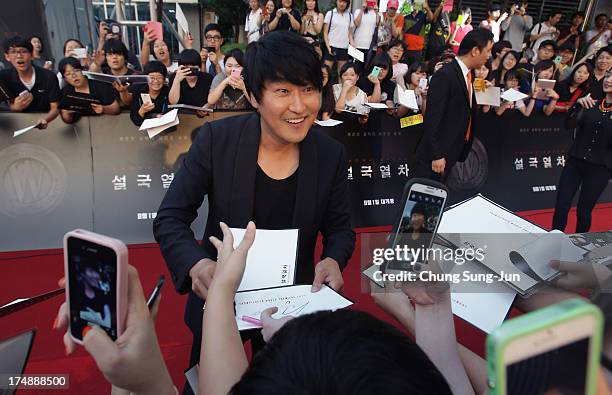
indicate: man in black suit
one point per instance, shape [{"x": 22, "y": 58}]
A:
[
  {"x": 271, "y": 167},
  {"x": 451, "y": 110}
]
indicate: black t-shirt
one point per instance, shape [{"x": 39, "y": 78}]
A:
[
  {"x": 198, "y": 95},
  {"x": 596, "y": 87},
  {"x": 161, "y": 102},
  {"x": 98, "y": 90},
  {"x": 274, "y": 201},
  {"x": 387, "y": 88},
  {"x": 45, "y": 90},
  {"x": 107, "y": 70},
  {"x": 436, "y": 41},
  {"x": 285, "y": 24}
]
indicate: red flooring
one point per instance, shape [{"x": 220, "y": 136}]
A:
[{"x": 28, "y": 273}]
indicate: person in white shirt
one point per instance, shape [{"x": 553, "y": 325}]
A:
[
  {"x": 517, "y": 25},
  {"x": 366, "y": 20},
  {"x": 494, "y": 21},
  {"x": 252, "y": 25},
  {"x": 546, "y": 30},
  {"x": 599, "y": 36},
  {"x": 338, "y": 34}
]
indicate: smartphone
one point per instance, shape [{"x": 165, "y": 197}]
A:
[
  {"x": 25, "y": 92},
  {"x": 423, "y": 203},
  {"x": 156, "y": 291},
  {"x": 376, "y": 71},
  {"x": 193, "y": 70},
  {"x": 146, "y": 98},
  {"x": 554, "y": 350},
  {"x": 80, "y": 53},
  {"x": 96, "y": 283},
  {"x": 237, "y": 72},
  {"x": 211, "y": 49},
  {"x": 423, "y": 83}
]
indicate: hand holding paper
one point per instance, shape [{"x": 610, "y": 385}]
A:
[
  {"x": 355, "y": 53},
  {"x": 231, "y": 262}
]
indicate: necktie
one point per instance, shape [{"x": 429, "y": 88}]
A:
[{"x": 468, "y": 131}]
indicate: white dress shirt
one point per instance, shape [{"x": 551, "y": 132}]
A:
[{"x": 465, "y": 71}]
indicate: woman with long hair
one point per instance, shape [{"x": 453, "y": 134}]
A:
[{"x": 573, "y": 87}]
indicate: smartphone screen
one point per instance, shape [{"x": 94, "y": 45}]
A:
[
  {"x": 92, "y": 277},
  {"x": 561, "y": 371},
  {"x": 419, "y": 222}
]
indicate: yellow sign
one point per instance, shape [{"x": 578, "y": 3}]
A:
[{"x": 411, "y": 120}]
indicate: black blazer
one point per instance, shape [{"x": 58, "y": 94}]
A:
[
  {"x": 222, "y": 164},
  {"x": 447, "y": 117}
]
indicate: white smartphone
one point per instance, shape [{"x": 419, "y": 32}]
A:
[
  {"x": 423, "y": 204},
  {"x": 554, "y": 350},
  {"x": 423, "y": 83},
  {"x": 96, "y": 283},
  {"x": 25, "y": 92},
  {"x": 544, "y": 85},
  {"x": 146, "y": 98},
  {"x": 80, "y": 53}
]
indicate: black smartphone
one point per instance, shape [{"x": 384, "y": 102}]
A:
[
  {"x": 96, "y": 283},
  {"x": 423, "y": 203},
  {"x": 210, "y": 49}
]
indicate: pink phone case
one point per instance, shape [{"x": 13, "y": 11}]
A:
[{"x": 122, "y": 261}]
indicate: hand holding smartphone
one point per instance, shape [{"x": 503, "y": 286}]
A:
[
  {"x": 96, "y": 283},
  {"x": 375, "y": 71},
  {"x": 146, "y": 98}
]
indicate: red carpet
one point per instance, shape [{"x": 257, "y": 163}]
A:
[{"x": 28, "y": 273}]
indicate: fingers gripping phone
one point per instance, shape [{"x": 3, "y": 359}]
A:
[
  {"x": 96, "y": 283},
  {"x": 146, "y": 98},
  {"x": 423, "y": 203},
  {"x": 554, "y": 350}
]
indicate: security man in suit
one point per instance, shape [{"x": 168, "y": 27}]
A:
[
  {"x": 450, "y": 117},
  {"x": 272, "y": 167}
]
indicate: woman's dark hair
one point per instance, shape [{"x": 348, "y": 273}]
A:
[
  {"x": 349, "y": 65},
  {"x": 316, "y": 9},
  {"x": 152, "y": 48},
  {"x": 237, "y": 54},
  {"x": 543, "y": 65},
  {"x": 328, "y": 102},
  {"x": 115, "y": 46},
  {"x": 71, "y": 39},
  {"x": 415, "y": 67},
  {"x": 69, "y": 61},
  {"x": 394, "y": 43},
  {"x": 42, "y": 45},
  {"x": 512, "y": 75},
  {"x": 585, "y": 84},
  {"x": 342, "y": 352},
  {"x": 383, "y": 61},
  {"x": 155, "y": 66},
  {"x": 517, "y": 57},
  {"x": 499, "y": 46},
  {"x": 489, "y": 65},
  {"x": 189, "y": 57},
  {"x": 280, "y": 56}
]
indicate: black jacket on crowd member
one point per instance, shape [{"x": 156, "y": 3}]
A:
[
  {"x": 446, "y": 122},
  {"x": 161, "y": 103},
  {"x": 45, "y": 90},
  {"x": 198, "y": 95}
]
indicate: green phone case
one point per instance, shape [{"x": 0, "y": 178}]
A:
[{"x": 535, "y": 321}]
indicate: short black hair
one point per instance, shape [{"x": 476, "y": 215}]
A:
[
  {"x": 341, "y": 352},
  {"x": 189, "y": 57},
  {"x": 499, "y": 46},
  {"x": 494, "y": 7},
  {"x": 607, "y": 49},
  {"x": 42, "y": 45},
  {"x": 603, "y": 14},
  {"x": 414, "y": 67},
  {"x": 115, "y": 46},
  {"x": 395, "y": 42},
  {"x": 516, "y": 55},
  {"x": 383, "y": 61},
  {"x": 69, "y": 61},
  {"x": 477, "y": 38},
  {"x": 212, "y": 26},
  {"x": 567, "y": 46},
  {"x": 17, "y": 42},
  {"x": 577, "y": 13},
  {"x": 543, "y": 65},
  {"x": 512, "y": 75},
  {"x": 155, "y": 66},
  {"x": 281, "y": 56},
  {"x": 554, "y": 12}
]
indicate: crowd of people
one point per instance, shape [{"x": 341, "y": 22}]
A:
[{"x": 401, "y": 52}]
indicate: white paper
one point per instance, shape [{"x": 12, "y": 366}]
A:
[
  {"x": 293, "y": 301},
  {"x": 355, "y": 53},
  {"x": 513, "y": 95},
  {"x": 486, "y": 311},
  {"x": 24, "y": 130},
  {"x": 271, "y": 260},
  {"x": 328, "y": 123},
  {"x": 80, "y": 53},
  {"x": 490, "y": 97},
  {"x": 154, "y": 126},
  {"x": 378, "y": 106},
  {"x": 407, "y": 98},
  {"x": 189, "y": 107},
  {"x": 180, "y": 19},
  {"x": 193, "y": 378}
]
